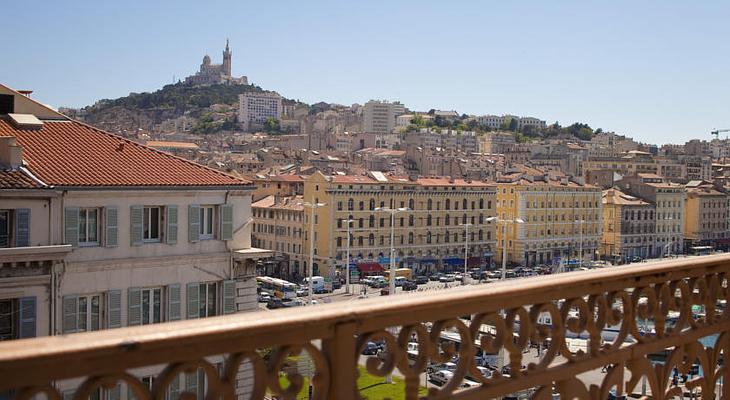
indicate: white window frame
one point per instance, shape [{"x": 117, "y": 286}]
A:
[
  {"x": 207, "y": 226},
  {"x": 88, "y": 299},
  {"x": 85, "y": 212},
  {"x": 150, "y": 291},
  {"x": 203, "y": 293},
  {"x": 147, "y": 222}
]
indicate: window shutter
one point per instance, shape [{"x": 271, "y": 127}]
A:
[
  {"x": 173, "y": 302},
  {"x": 134, "y": 307},
  {"x": 27, "y": 317},
  {"x": 112, "y": 227},
  {"x": 193, "y": 222},
  {"x": 114, "y": 393},
  {"x": 114, "y": 309},
  {"x": 226, "y": 222},
  {"x": 22, "y": 227},
  {"x": 71, "y": 225},
  {"x": 173, "y": 391},
  {"x": 70, "y": 312},
  {"x": 171, "y": 229},
  {"x": 229, "y": 297},
  {"x": 191, "y": 383},
  {"x": 193, "y": 295},
  {"x": 136, "y": 217}
]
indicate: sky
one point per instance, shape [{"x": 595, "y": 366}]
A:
[{"x": 653, "y": 70}]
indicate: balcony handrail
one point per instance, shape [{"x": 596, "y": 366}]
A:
[{"x": 36, "y": 362}]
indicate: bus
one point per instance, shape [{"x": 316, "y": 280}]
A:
[
  {"x": 277, "y": 287},
  {"x": 702, "y": 250}
]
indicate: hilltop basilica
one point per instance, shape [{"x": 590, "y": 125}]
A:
[{"x": 211, "y": 74}]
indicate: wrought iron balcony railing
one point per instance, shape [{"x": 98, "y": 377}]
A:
[{"x": 668, "y": 320}]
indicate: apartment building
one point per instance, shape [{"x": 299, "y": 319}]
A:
[
  {"x": 277, "y": 185},
  {"x": 113, "y": 233},
  {"x": 706, "y": 216},
  {"x": 254, "y": 108},
  {"x": 496, "y": 142},
  {"x": 629, "y": 227},
  {"x": 379, "y": 116},
  {"x": 278, "y": 225},
  {"x": 669, "y": 203},
  {"x": 429, "y": 232},
  {"x": 560, "y": 217},
  {"x": 634, "y": 162}
]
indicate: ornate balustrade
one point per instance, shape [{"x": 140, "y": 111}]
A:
[{"x": 662, "y": 294}]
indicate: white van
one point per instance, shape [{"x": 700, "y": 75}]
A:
[
  {"x": 400, "y": 280},
  {"x": 317, "y": 284},
  {"x": 440, "y": 378}
]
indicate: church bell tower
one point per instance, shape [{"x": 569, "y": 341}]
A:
[{"x": 227, "y": 60}]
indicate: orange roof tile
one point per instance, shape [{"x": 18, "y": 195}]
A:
[
  {"x": 70, "y": 153},
  {"x": 15, "y": 179}
]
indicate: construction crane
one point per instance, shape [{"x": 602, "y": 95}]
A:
[{"x": 716, "y": 132}]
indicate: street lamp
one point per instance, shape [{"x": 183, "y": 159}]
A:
[
  {"x": 466, "y": 251},
  {"x": 312, "y": 206},
  {"x": 349, "y": 222},
  {"x": 500, "y": 356},
  {"x": 580, "y": 251},
  {"x": 391, "y": 285}
]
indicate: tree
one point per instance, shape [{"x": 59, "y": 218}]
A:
[
  {"x": 513, "y": 124},
  {"x": 271, "y": 125}
]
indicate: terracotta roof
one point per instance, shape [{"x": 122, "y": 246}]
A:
[
  {"x": 15, "y": 179},
  {"x": 615, "y": 196},
  {"x": 295, "y": 203},
  {"x": 70, "y": 153},
  {"x": 171, "y": 145},
  {"x": 447, "y": 182}
]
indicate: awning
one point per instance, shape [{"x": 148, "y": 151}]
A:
[
  {"x": 428, "y": 259},
  {"x": 370, "y": 267},
  {"x": 453, "y": 261}
]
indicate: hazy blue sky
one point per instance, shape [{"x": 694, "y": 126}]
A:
[{"x": 654, "y": 70}]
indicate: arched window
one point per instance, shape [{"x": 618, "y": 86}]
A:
[
  {"x": 448, "y": 204},
  {"x": 481, "y": 204},
  {"x": 428, "y": 220},
  {"x": 411, "y": 204},
  {"x": 350, "y": 204},
  {"x": 372, "y": 221},
  {"x": 429, "y": 204},
  {"x": 372, "y": 204},
  {"x": 447, "y": 220},
  {"x": 463, "y": 204},
  {"x": 463, "y": 219}
]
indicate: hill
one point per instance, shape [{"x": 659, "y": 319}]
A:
[{"x": 204, "y": 108}]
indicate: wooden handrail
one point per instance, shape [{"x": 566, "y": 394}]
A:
[{"x": 341, "y": 326}]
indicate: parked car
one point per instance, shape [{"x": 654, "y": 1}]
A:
[
  {"x": 370, "y": 349},
  {"x": 336, "y": 284},
  {"x": 434, "y": 277},
  {"x": 410, "y": 285},
  {"x": 441, "y": 377},
  {"x": 302, "y": 292},
  {"x": 264, "y": 297},
  {"x": 385, "y": 291},
  {"x": 447, "y": 278},
  {"x": 400, "y": 280},
  {"x": 421, "y": 279},
  {"x": 274, "y": 303}
]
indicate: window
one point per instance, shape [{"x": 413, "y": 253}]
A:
[
  {"x": 8, "y": 319},
  {"x": 208, "y": 299},
  {"x": 88, "y": 317},
  {"x": 151, "y": 306},
  {"x": 88, "y": 226},
  {"x": 151, "y": 224},
  {"x": 5, "y": 228}
]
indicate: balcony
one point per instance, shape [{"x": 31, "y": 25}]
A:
[{"x": 683, "y": 300}]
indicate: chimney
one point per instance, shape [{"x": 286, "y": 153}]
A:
[{"x": 11, "y": 154}]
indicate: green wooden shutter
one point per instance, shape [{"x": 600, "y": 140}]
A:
[
  {"x": 136, "y": 224},
  {"x": 71, "y": 225},
  {"x": 173, "y": 302},
  {"x": 229, "y": 297},
  {"x": 193, "y": 222},
  {"x": 22, "y": 227},
  {"x": 173, "y": 391},
  {"x": 114, "y": 393},
  {"x": 112, "y": 227},
  {"x": 27, "y": 317},
  {"x": 193, "y": 296},
  {"x": 191, "y": 383},
  {"x": 134, "y": 307},
  {"x": 171, "y": 229},
  {"x": 70, "y": 314},
  {"x": 226, "y": 222},
  {"x": 114, "y": 309}
]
